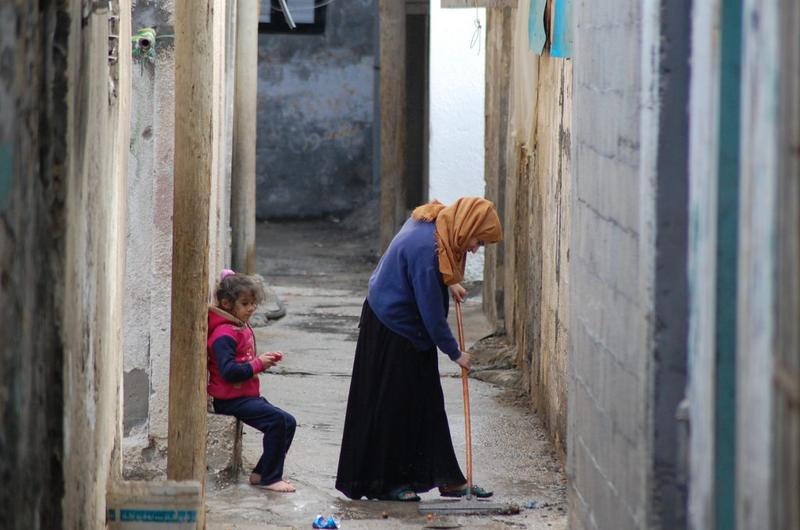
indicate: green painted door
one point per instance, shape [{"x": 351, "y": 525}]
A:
[{"x": 727, "y": 257}]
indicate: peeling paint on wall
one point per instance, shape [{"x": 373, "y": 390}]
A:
[
  {"x": 537, "y": 36},
  {"x": 562, "y": 29}
]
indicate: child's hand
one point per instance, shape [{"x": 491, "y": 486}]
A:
[
  {"x": 270, "y": 358},
  {"x": 267, "y": 360}
]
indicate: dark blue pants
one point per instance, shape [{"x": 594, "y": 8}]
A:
[{"x": 277, "y": 425}]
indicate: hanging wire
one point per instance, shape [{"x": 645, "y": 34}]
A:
[
  {"x": 317, "y": 5},
  {"x": 287, "y": 14},
  {"x": 476, "y": 36}
]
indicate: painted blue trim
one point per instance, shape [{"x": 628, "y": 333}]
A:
[
  {"x": 158, "y": 516},
  {"x": 536, "y": 33},
  {"x": 6, "y": 173},
  {"x": 727, "y": 266},
  {"x": 562, "y": 29}
]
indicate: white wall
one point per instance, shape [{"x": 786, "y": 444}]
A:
[
  {"x": 757, "y": 298},
  {"x": 703, "y": 146},
  {"x": 457, "y": 110}
]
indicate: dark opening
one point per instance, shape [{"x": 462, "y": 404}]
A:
[{"x": 416, "y": 182}]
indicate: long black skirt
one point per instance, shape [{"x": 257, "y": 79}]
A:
[{"x": 395, "y": 431}]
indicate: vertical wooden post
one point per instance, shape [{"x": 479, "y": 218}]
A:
[
  {"x": 243, "y": 178},
  {"x": 499, "y": 50},
  {"x": 392, "y": 24},
  {"x": 194, "y": 133}
]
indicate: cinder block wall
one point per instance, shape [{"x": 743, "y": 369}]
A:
[{"x": 608, "y": 416}]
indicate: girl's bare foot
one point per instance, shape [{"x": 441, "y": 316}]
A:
[
  {"x": 255, "y": 479},
  {"x": 281, "y": 487}
]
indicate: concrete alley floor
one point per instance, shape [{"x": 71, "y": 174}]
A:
[{"x": 320, "y": 272}]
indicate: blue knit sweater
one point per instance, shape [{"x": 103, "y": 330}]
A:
[{"x": 406, "y": 291}]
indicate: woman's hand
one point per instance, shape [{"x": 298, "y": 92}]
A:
[
  {"x": 464, "y": 360},
  {"x": 458, "y": 292}
]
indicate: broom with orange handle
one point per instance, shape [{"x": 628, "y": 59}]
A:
[
  {"x": 466, "y": 506},
  {"x": 465, "y": 389}
]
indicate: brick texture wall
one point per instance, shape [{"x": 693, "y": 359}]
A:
[{"x": 607, "y": 412}]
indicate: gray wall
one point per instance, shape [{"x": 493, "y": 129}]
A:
[
  {"x": 670, "y": 74},
  {"x": 31, "y": 205},
  {"x": 61, "y": 258},
  {"x": 315, "y": 116},
  {"x": 629, "y": 265},
  {"x": 608, "y": 441}
]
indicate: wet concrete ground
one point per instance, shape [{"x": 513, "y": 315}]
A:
[{"x": 320, "y": 271}]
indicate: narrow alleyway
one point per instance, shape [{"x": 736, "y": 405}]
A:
[{"x": 320, "y": 271}]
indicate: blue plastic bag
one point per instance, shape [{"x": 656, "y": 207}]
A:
[{"x": 322, "y": 522}]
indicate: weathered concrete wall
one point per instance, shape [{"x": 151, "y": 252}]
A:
[
  {"x": 315, "y": 116},
  {"x": 528, "y": 122},
  {"x": 149, "y": 246},
  {"x": 545, "y": 365},
  {"x": 94, "y": 265},
  {"x": 538, "y": 221},
  {"x": 590, "y": 282},
  {"x": 609, "y": 442},
  {"x": 149, "y": 262},
  {"x": 31, "y": 268},
  {"x": 63, "y": 262},
  {"x": 628, "y": 366}
]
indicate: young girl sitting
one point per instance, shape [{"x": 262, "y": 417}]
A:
[{"x": 233, "y": 367}]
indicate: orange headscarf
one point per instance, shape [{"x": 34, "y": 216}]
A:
[{"x": 456, "y": 225}]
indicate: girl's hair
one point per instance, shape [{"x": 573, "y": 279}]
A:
[{"x": 232, "y": 286}]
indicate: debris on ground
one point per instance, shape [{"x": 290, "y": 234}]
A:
[
  {"x": 323, "y": 522},
  {"x": 493, "y": 361}
]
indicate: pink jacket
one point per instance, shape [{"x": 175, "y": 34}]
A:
[{"x": 233, "y": 364}]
